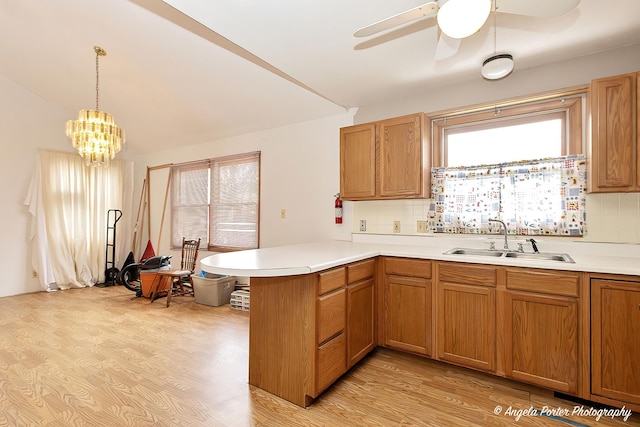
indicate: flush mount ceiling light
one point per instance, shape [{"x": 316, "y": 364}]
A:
[
  {"x": 497, "y": 66},
  {"x": 95, "y": 134},
  {"x": 461, "y": 18}
]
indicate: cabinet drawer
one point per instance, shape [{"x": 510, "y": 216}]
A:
[
  {"x": 544, "y": 281},
  {"x": 332, "y": 362},
  {"x": 408, "y": 267},
  {"x": 332, "y": 279},
  {"x": 470, "y": 274},
  {"x": 331, "y": 314},
  {"x": 361, "y": 270}
]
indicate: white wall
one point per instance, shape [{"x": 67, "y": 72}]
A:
[
  {"x": 554, "y": 76},
  {"x": 27, "y": 123},
  {"x": 300, "y": 163},
  {"x": 610, "y": 217},
  {"x": 300, "y": 171}
]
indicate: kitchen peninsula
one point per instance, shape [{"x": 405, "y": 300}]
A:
[{"x": 318, "y": 308}]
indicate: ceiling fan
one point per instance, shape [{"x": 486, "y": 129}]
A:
[{"x": 458, "y": 19}]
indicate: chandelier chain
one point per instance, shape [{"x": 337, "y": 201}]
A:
[{"x": 97, "y": 80}]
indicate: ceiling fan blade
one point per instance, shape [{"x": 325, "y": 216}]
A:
[
  {"x": 538, "y": 8},
  {"x": 399, "y": 19},
  {"x": 447, "y": 47}
]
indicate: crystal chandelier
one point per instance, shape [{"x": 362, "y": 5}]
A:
[{"x": 95, "y": 134}]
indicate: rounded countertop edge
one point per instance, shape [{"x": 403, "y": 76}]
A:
[{"x": 292, "y": 260}]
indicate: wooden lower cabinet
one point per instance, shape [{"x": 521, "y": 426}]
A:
[
  {"x": 331, "y": 363},
  {"x": 467, "y": 325},
  {"x": 542, "y": 340},
  {"x": 542, "y": 328},
  {"x": 572, "y": 332},
  {"x": 282, "y": 339},
  {"x": 466, "y": 313},
  {"x": 615, "y": 340},
  {"x": 305, "y": 331},
  {"x": 407, "y": 308},
  {"x": 331, "y": 311},
  {"x": 361, "y": 333}
]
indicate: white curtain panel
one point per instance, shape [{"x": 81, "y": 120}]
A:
[{"x": 68, "y": 202}]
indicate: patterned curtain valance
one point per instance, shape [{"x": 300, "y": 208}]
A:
[{"x": 541, "y": 197}]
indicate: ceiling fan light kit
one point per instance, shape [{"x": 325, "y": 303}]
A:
[
  {"x": 462, "y": 18},
  {"x": 458, "y": 19},
  {"x": 497, "y": 67}
]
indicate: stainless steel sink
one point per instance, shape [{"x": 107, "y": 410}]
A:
[
  {"x": 540, "y": 256},
  {"x": 546, "y": 256},
  {"x": 481, "y": 252}
]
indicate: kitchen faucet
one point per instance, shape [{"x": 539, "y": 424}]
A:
[{"x": 504, "y": 228}]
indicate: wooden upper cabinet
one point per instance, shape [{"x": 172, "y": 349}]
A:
[
  {"x": 401, "y": 171},
  {"x": 614, "y": 119},
  {"x": 388, "y": 159},
  {"x": 358, "y": 162}
]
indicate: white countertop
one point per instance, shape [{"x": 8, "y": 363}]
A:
[{"x": 312, "y": 257}]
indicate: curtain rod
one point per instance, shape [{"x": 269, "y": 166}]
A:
[{"x": 573, "y": 92}]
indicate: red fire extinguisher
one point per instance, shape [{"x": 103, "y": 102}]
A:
[{"x": 338, "y": 205}]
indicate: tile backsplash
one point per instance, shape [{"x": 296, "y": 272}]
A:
[{"x": 610, "y": 217}]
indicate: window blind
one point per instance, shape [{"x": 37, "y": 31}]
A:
[
  {"x": 235, "y": 196},
  {"x": 190, "y": 202}
]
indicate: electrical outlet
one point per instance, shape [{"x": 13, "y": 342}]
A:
[
  {"x": 34, "y": 274},
  {"x": 363, "y": 225},
  {"x": 422, "y": 226},
  {"x": 396, "y": 226},
  {"x": 283, "y": 213}
]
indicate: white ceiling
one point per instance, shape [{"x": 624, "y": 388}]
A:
[{"x": 249, "y": 65}]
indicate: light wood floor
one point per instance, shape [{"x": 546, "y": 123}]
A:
[{"x": 94, "y": 357}]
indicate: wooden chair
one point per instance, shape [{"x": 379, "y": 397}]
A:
[{"x": 181, "y": 282}]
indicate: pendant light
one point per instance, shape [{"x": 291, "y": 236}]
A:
[
  {"x": 95, "y": 134},
  {"x": 497, "y": 66}
]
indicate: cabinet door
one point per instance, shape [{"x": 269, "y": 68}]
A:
[
  {"x": 401, "y": 157},
  {"x": 358, "y": 162},
  {"x": 541, "y": 339},
  {"x": 615, "y": 340},
  {"x": 407, "y": 314},
  {"x": 361, "y": 337},
  {"x": 467, "y": 325},
  {"x": 614, "y": 150},
  {"x": 331, "y": 362}
]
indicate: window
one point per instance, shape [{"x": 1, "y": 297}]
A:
[
  {"x": 538, "y": 137},
  {"x": 526, "y": 131},
  {"x": 523, "y": 165},
  {"x": 217, "y": 200}
]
